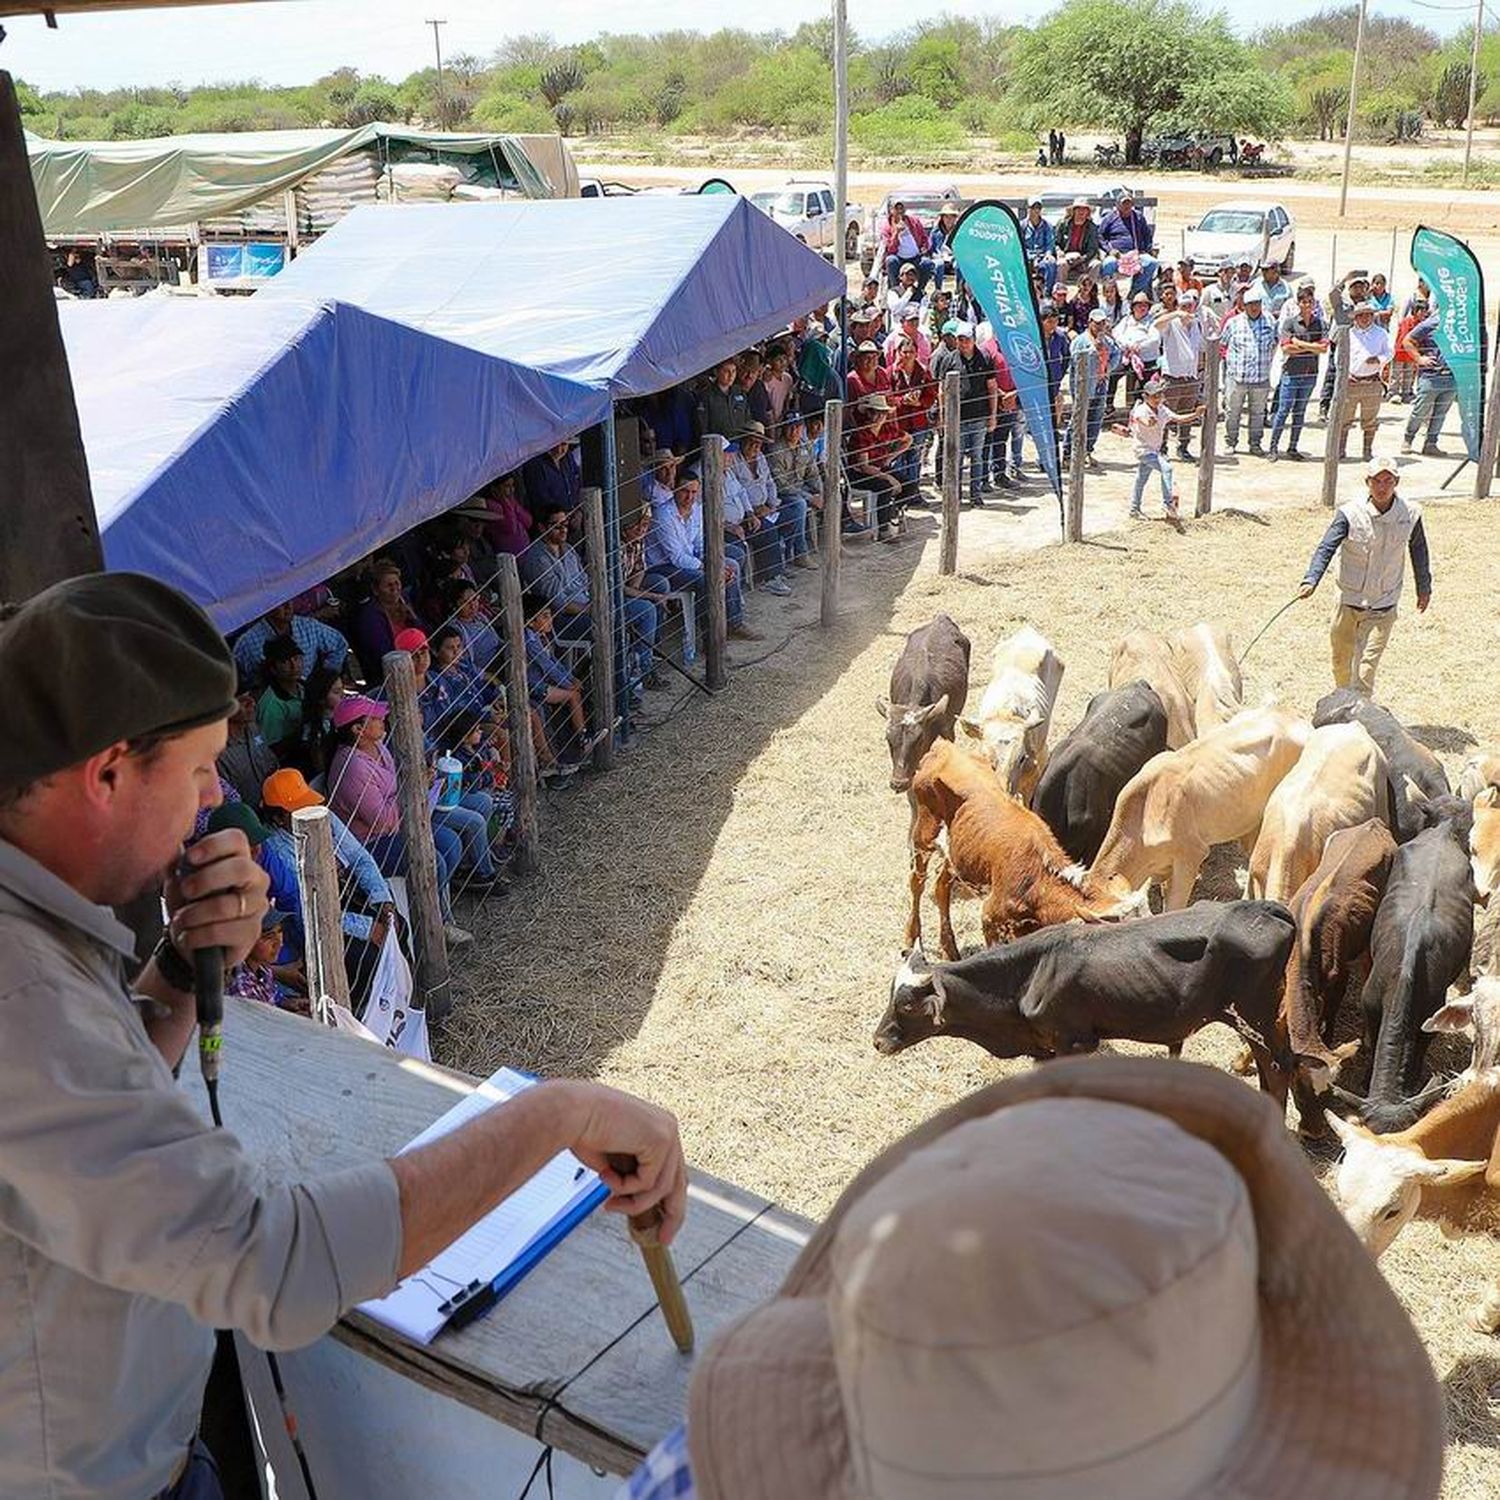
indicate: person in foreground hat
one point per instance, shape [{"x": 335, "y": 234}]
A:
[
  {"x": 1106, "y": 1279},
  {"x": 129, "y": 1229},
  {"x": 1373, "y": 537}
]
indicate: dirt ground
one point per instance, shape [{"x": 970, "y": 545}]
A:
[{"x": 718, "y": 920}]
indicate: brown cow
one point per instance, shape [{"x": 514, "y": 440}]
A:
[
  {"x": 1335, "y": 914},
  {"x": 1445, "y": 1167},
  {"x": 989, "y": 843}
]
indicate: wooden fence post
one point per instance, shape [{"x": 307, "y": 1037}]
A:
[
  {"x": 318, "y": 884},
  {"x": 1339, "y": 354},
  {"x": 604, "y": 625},
  {"x": 47, "y": 526},
  {"x": 715, "y": 672},
  {"x": 952, "y": 463},
  {"x": 1489, "y": 441},
  {"x": 1208, "y": 452},
  {"x": 412, "y": 784},
  {"x": 1078, "y": 457},
  {"x": 518, "y": 714},
  {"x": 833, "y": 509}
]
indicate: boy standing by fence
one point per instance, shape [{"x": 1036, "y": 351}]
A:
[{"x": 1149, "y": 421}]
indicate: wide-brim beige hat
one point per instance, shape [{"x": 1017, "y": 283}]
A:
[{"x": 1336, "y": 1401}]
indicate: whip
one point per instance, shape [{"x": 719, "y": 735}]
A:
[{"x": 1295, "y": 599}]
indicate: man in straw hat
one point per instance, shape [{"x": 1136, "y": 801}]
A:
[
  {"x": 130, "y": 1229},
  {"x": 1107, "y": 1279},
  {"x": 1373, "y": 537}
]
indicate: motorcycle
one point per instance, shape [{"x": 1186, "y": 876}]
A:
[{"x": 1107, "y": 155}]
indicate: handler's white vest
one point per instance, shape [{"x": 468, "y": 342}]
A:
[{"x": 1372, "y": 560}]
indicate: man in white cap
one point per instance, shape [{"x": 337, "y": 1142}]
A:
[
  {"x": 1370, "y": 352},
  {"x": 1111, "y": 1278},
  {"x": 1249, "y": 348},
  {"x": 1373, "y": 537}
]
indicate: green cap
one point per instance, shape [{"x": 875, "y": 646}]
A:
[
  {"x": 237, "y": 815},
  {"x": 102, "y": 658}
]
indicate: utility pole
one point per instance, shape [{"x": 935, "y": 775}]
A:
[
  {"x": 1473, "y": 86},
  {"x": 840, "y": 128},
  {"x": 1359, "y": 47},
  {"x": 437, "y": 47}
]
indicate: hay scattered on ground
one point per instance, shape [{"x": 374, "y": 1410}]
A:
[{"x": 718, "y": 920}]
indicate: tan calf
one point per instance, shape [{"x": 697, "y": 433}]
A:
[
  {"x": 1183, "y": 802},
  {"x": 1204, "y": 659},
  {"x": 1147, "y": 657},
  {"x": 1016, "y": 710},
  {"x": 1339, "y": 781}
]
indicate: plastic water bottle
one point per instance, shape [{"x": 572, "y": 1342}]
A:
[{"x": 452, "y": 773}]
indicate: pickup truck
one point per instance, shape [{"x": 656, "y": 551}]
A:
[{"x": 805, "y": 209}]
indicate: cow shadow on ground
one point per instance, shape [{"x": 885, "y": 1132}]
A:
[
  {"x": 1472, "y": 1391},
  {"x": 1244, "y": 515},
  {"x": 1445, "y": 739}
]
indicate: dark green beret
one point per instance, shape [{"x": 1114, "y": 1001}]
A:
[
  {"x": 237, "y": 815},
  {"x": 103, "y": 658}
]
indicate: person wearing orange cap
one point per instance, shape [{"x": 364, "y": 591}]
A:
[{"x": 286, "y": 792}]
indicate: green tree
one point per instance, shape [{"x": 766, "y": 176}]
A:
[
  {"x": 1125, "y": 65},
  {"x": 1450, "y": 99},
  {"x": 32, "y": 107},
  {"x": 935, "y": 68},
  {"x": 374, "y": 100}
]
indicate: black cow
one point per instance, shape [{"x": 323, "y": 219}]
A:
[
  {"x": 1420, "y": 944},
  {"x": 1416, "y": 774},
  {"x": 1120, "y": 731},
  {"x": 1066, "y": 989},
  {"x": 929, "y": 685}
]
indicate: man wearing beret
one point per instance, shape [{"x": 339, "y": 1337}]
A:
[{"x": 129, "y": 1228}]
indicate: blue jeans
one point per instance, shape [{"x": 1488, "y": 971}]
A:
[
  {"x": 766, "y": 544},
  {"x": 791, "y": 524},
  {"x": 200, "y": 1480},
  {"x": 1295, "y": 392},
  {"x": 1436, "y": 392},
  {"x": 469, "y": 824},
  {"x": 642, "y": 622},
  {"x": 1141, "y": 281},
  {"x": 971, "y": 436},
  {"x": 907, "y": 467},
  {"x": 923, "y": 263},
  {"x": 1097, "y": 404},
  {"x": 388, "y": 850},
  {"x": 1145, "y": 466}
]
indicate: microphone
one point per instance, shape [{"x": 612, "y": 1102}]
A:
[{"x": 208, "y": 991}]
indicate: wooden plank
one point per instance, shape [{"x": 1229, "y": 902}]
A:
[
  {"x": 715, "y": 673},
  {"x": 303, "y": 1099},
  {"x": 518, "y": 715},
  {"x": 602, "y": 619},
  {"x": 832, "y": 534},
  {"x": 318, "y": 882},
  {"x": 1340, "y": 357},
  {"x": 48, "y": 530},
  {"x": 433, "y": 990},
  {"x": 1078, "y": 454},
  {"x": 1208, "y": 454},
  {"x": 952, "y": 464}
]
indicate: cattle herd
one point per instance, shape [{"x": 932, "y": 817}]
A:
[{"x": 1369, "y": 878}]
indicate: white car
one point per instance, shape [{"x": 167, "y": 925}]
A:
[
  {"x": 1232, "y": 232},
  {"x": 805, "y": 210}
]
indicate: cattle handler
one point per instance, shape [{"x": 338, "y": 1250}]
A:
[
  {"x": 129, "y": 1228},
  {"x": 1372, "y": 536}
]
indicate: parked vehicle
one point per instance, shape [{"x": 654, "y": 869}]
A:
[
  {"x": 805, "y": 209},
  {"x": 922, "y": 202},
  {"x": 1243, "y": 230},
  {"x": 593, "y": 187},
  {"x": 1108, "y": 153},
  {"x": 1192, "y": 148}
]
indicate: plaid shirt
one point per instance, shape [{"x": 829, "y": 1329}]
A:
[
  {"x": 1249, "y": 346},
  {"x": 665, "y": 1474}
]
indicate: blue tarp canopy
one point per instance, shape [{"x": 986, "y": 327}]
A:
[
  {"x": 633, "y": 294},
  {"x": 244, "y": 451}
]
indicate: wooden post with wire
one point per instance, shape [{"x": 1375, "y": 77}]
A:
[
  {"x": 1078, "y": 452},
  {"x": 433, "y": 989},
  {"x": 1489, "y": 441},
  {"x": 318, "y": 885},
  {"x": 518, "y": 715},
  {"x": 833, "y": 509},
  {"x": 1208, "y": 453},
  {"x": 604, "y": 625},
  {"x": 952, "y": 463},
  {"x": 715, "y": 672},
  {"x": 1339, "y": 354}
]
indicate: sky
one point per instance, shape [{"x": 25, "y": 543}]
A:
[{"x": 296, "y": 41}]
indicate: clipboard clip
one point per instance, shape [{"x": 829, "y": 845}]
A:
[{"x": 468, "y": 1303}]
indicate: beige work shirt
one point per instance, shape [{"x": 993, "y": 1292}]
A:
[{"x": 129, "y": 1227}]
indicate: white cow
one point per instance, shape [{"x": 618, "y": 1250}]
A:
[
  {"x": 1210, "y": 676},
  {"x": 1339, "y": 781},
  {"x": 1144, "y": 656},
  {"x": 1016, "y": 710}
]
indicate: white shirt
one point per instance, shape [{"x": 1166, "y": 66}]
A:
[
  {"x": 1138, "y": 338},
  {"x": 906, "y": 246},
  {"x": 1369, "y": 350},
  {"x": 1148, "y": 428},
  {"x": 1181, "y": 346}
]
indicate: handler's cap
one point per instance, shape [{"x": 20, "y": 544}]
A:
[
  {"x": 238, "y": 815},
  {"x": 1381, "y": 466},
  {"x": 288, "y": 790},
  {"x": 106, "y": 657}
]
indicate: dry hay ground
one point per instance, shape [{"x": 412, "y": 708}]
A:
[{"x": 718, "y": 920}]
